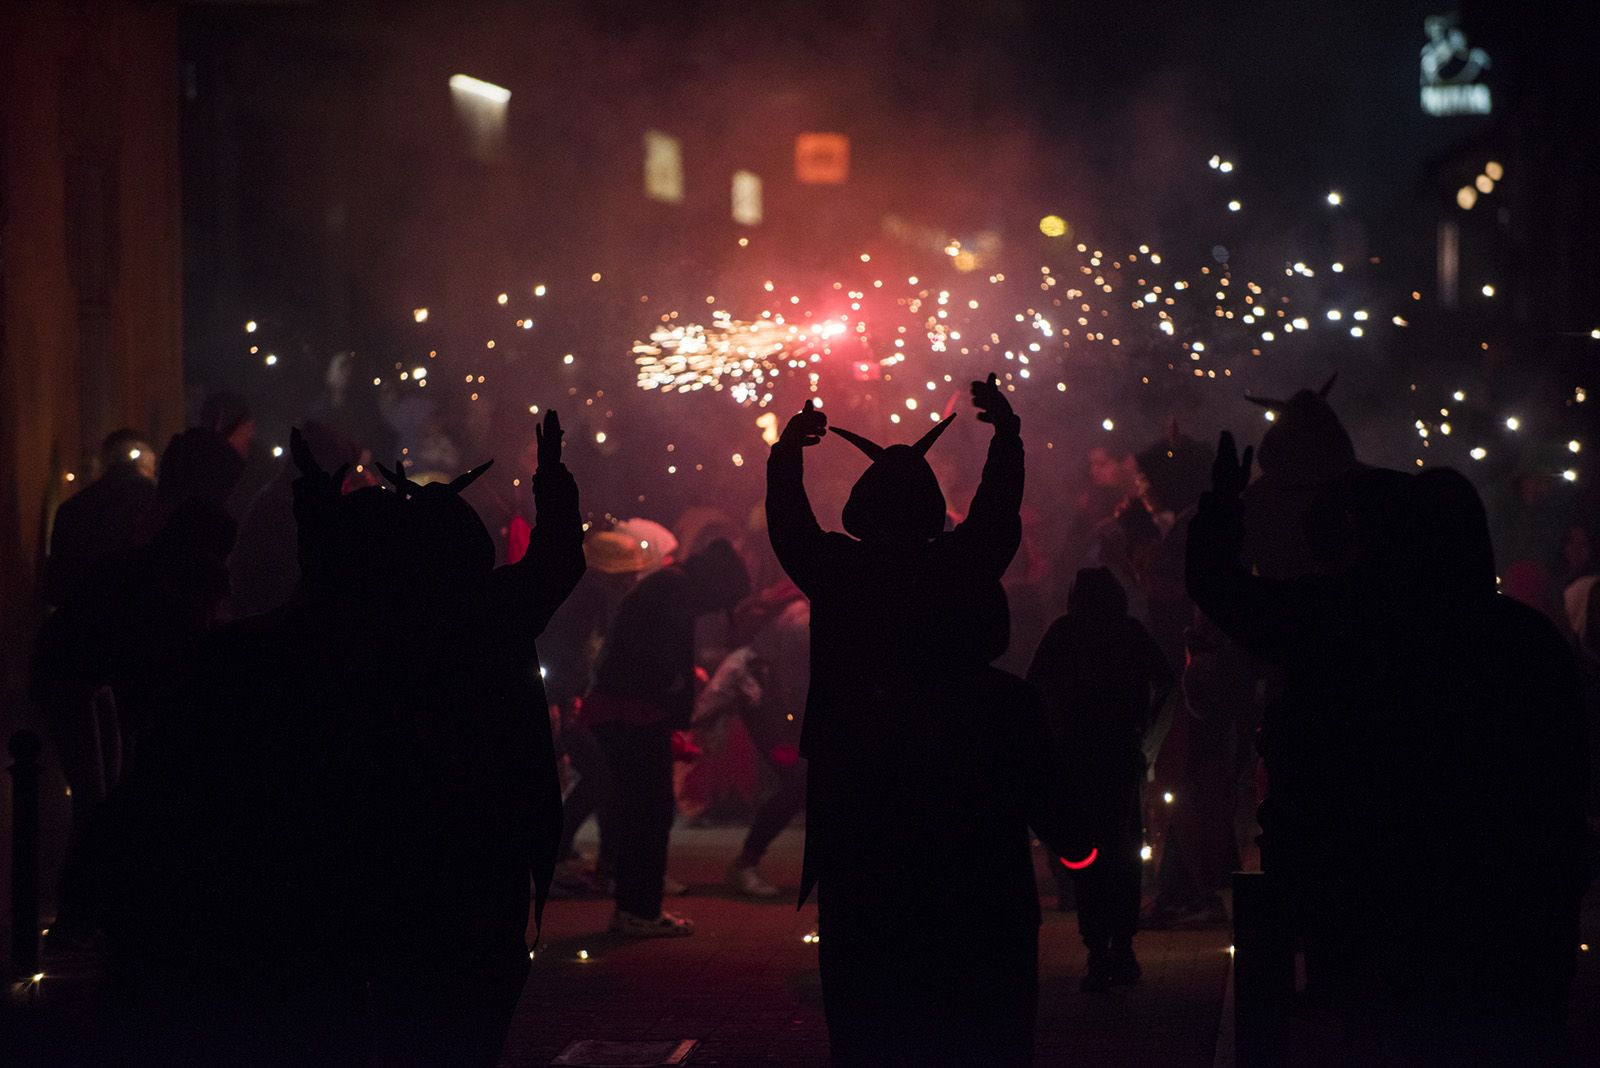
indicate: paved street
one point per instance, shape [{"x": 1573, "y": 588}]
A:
[{"x": 746, "y": 983}]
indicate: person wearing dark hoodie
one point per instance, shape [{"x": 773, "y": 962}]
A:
[
  {"x": 643, "y": 692},
  {"x": 1427, "y": 829},
  {"x": 920, "y": 757},
  {"x": 124, "y": 639},
  {"x": 332, "y": 859},
  {"x": 1103, "y": 677}
]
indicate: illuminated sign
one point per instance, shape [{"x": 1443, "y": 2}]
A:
[
  {"x": 663, "y": 167},
  {"x": 822, "y": 158},
  {"x": 747, "y": 198},
  {"x": 1450, "y": 70}
]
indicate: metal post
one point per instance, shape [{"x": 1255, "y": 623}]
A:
[{"x": 25, "y": 749}]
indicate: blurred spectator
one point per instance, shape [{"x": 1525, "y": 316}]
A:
[{"x": 104, "y": 518}]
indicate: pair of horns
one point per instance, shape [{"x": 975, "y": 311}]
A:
[
  {"x": 875, "y": 451},
  {"x": 408, "y": 488},
  {"x": 1269, "y": 402}
]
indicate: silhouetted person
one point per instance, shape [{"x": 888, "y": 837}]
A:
[
  {"x": 1426, "y": 821},
  {"x": 644, "y": 691},
  {"x": 264, "y": 568},
  {"x": 340, "y": 842},
  {"x": 105, "y": 517},
  {"x": 132, "y": 621},
  {"x": 229, "y": 414},
  {"x": 479, "y": 791},
  {"x": 1102, "y": 677},
  {"x": 921, "y": 758}
]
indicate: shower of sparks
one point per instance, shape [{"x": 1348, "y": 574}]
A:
[{"x": 742, "y": 357}]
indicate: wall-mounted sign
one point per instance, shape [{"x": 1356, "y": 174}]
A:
[
  {"x": 822, "y": 158},
  {"x": 747, "y": 198},
  {"x": 1451, "y": 70},
  {"x": 663, "y": 167}
]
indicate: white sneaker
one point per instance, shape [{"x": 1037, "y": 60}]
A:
[
  {"x": 747, "y": 881},
  {"x": 665, "y": 925}
]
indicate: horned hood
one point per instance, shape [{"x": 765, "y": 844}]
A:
[{"x": 898, "y": 497}]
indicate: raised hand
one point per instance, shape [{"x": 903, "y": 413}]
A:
[
  {"x": 548, "y": 436},
  {"x": 1230, "y": 472},
  {"x": 806, "y": 427},
  {"x": 992, "y": 404}
]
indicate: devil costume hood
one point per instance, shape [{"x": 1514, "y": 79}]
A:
[
  {"x": 1305, "y": 452},
  {"x": 904, "y": 614},
  {"x": 920, "y": 756},
  {"x": 416, "y": 565}
]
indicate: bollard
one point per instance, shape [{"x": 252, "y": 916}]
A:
[
  {"x": 25, "y": 749},
  {"x": 1263, "y": 971}
]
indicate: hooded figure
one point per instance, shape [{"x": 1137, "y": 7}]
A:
[
  {"x": 1433, "y": 780},
  {"x": 367, "y": 782},
  {"x": 925, "y": 766},
  {"x": 1103, "y": 677},
  {"x": 1305, "y": 450},
  {"x": 644, "y": 682}
]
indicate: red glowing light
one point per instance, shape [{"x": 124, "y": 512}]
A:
[{"x": 1079, "y": 865}]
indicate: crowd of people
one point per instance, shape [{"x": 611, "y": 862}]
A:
[{"x": 321, "y": 773}]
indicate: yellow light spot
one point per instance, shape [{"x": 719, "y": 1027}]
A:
[
  {"x": 1053, "y": 226},
  {"x": 419, "y": 314}
]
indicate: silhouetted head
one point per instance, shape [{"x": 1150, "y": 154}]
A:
[
  {"x": 1306, "y": 438},
  {"x": 355, "y": 546},
  {"x": 1096, "y": 594},
  {"x": 126, "y": 452},
  {"x": 898, "y": 497},
  {"x": 198, "y": 463},
  {"x": 449, "y": 540},
  {"x": 717, "y": 578}
]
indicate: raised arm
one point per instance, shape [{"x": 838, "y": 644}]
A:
[
  {"x": 1266, "y": 616},
  {"x": 797, "y": 539},
  {"x": 553, "y": 564},
  {"x": 992, "y": 531}
]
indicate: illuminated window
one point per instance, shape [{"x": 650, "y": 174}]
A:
[
  {"x": 747, "y": 198},
  {"x": 663, "y": 167}
]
